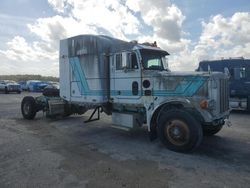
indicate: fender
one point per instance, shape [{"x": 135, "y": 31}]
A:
[{"x": 153, "y": 116}]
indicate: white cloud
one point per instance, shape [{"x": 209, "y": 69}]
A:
[
  {"x": 157, "y": 20},
  {"x": 220, "y": 37},
  {"x": 54, "y": 28},
  {"x": 165, "y": 19},
  {"x": 223, "y": 36},
  {"x": 20, "y": 50},
  {"x": 22, "y": 57},
  {"x": 58, "y": 5},
  {"x": 113, "y": 17},
  {"x": 19, "y": 66},
  {"x": 109, "y": 15}
]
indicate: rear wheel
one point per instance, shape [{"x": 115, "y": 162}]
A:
[
  {"x": 28, "y": 107},
  {"x": 179, "y": 131},
  {"x": 211, "y": 130}
]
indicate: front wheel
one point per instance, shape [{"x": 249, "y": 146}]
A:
[
  {"x": 179, "y": 131},
  {"x": 28, "y": 107}
]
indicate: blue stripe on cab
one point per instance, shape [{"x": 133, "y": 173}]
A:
[{"x": 188, "y": 87}]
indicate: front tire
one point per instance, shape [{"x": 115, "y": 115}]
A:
[
  {"x": 29, "y": 107},
  {"x": 179, "y": 131}
]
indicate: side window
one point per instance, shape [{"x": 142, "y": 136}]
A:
[
  {"x": 126, "y": 61},
  {"x": 118, "y": 61},
  {"x": 242, "y": 72},
  {"x": 236, "y": 73},
  {"x": 132, "y": 61}
]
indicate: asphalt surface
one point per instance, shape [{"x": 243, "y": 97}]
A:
[{"x": 69, "y": 153}]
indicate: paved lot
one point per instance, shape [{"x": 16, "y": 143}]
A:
[{"x": 68, "y": 153}]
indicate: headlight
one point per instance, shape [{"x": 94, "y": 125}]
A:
[{"x": 204, "y": 104}]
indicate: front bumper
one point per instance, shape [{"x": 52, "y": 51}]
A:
[{"x": 216, "y": 120}]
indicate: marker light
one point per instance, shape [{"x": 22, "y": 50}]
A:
[{"x": 204, "y": 104}]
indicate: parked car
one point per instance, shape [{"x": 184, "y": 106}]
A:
[
  {"x": 36, "y": 85},
  {"x": 10, "y": 86},
  {"x": 23, "y": 85}
]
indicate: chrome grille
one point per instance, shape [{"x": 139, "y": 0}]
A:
[{"x": 224, "y": 95}]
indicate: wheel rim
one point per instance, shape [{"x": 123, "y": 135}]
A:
[
  {"x": 177, "y": 132},
  {"x": 26, "y": 108}
]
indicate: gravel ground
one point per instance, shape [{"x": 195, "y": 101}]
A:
[{"x": 68, "y": 153}]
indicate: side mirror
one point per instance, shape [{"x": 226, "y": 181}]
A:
[
  {"x": 126, "y": 61},
  {"x": 226, "y": 71}
]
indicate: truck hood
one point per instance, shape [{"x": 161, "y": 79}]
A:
[{"x": 183, "y": 84}]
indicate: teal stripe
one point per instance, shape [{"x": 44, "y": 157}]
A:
[
  {"x": 188, "y": 89},
  {"x": 76, "y": 75},
  {"x": 80, "y": 77}
]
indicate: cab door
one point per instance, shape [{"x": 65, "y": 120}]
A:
[{"x": 125, "y": 78}]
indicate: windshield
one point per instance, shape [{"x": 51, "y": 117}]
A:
[{"x": 154, "y": 60}]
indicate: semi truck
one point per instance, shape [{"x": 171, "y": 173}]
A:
[
  {"x": 239, "y": 82},
  {"x": 132, "y": 82}
]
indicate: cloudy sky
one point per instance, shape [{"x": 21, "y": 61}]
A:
[{"x": 190, "y": 30}]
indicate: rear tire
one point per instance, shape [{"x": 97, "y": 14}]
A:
[
  {"x": 211, "y": 130},
  {"x": 179, "y": 131},
  {"x": 29, "y": 107}
]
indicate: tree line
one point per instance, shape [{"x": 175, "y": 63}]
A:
[{"x": 28, "y": 77}]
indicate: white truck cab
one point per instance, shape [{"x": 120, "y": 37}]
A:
[{"x": 132, "y": 82}]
